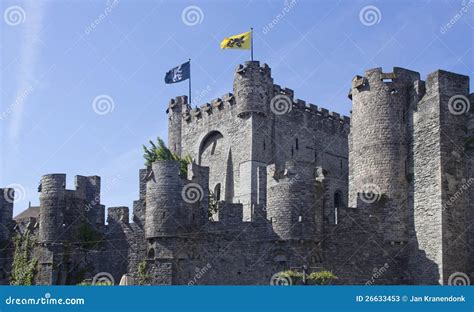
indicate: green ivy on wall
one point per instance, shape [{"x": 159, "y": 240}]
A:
[{"x": 24, "y": 266}]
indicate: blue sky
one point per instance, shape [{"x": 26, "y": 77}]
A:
[{"x": 54, "y": 64}]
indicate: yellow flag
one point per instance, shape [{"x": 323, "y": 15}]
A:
[{"x": 241, "y": 41}]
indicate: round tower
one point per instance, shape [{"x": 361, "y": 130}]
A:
[
  {"x": 52, "y": 207},
  {"x": 164, "y": 200},
  {"x": 379, "y": 144},
  {"x": 253, "y": 87},
  {"x": 292, "y": 201}
]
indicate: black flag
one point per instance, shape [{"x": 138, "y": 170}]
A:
[{"x": 177, "y": 74}]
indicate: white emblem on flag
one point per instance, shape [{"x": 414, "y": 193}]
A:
[{"x": 177, "y": 74}]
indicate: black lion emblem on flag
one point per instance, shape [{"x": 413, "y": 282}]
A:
[{"x": 236, "y": 42}]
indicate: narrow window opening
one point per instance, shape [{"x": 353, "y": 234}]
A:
[
  {"x": 151, "y": 254},
  {"x": 217, "y": 192},
  {"x": 296, "y": 144},
  {"x": 264, "y": 145}
]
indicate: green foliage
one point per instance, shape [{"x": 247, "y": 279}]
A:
[
  {"x": 89, "y": 283},
  {"x": 143, "y": 276},
  {"x": 159, "y": 151},
  {"x": 317, "y": 278},
  {"x": 322, "y": 277},
  {"x": 23, "y": 266},
  {"x": 291, "y": 274},
  {"x": 213, "y": 205},
  {"x": 88, "y": 237}
]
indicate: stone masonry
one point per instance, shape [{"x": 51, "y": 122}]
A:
[{"x": 383, "y": 197}]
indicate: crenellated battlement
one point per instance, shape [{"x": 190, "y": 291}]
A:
[{"x": 214, "y": 109}]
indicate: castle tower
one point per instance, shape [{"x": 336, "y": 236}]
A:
[
  {"x": 379, "y": 144},
  {"x": 175, "y": 110},
  {"x": 174, "y": 204},
  {"x": 294, "y": 201},
  {"x": 469, "y": 145},
  {"x": 253, "y": 91},
  {"x": 52, "y": 207},
  {"x": 442, "y": 183},
  {"x": 88, "y": 196},
  {"x": 6, "y": 214},
  {"x": 163, "y": 200},
  {"x": 253, "y": 85}
]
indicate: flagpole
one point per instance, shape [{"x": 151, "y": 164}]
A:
[
  {"x": 251, "y": 43},
  {"x": 189, "y": 82}
]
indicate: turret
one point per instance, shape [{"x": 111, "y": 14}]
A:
[
  {"x": 88, "y": 190},
  {"x": 52, "y": 207},
  {"x": 174, "y": 204},
  {"x": 294, "y": 201},
  {"x": 175, "y": 111},
  {"x": 253, "y": 88},
  {"x": 7, "y": 196},
  {"x": 379, "y": 161}
]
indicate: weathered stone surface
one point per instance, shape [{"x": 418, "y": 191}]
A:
[{"x": 382, "y": 198}]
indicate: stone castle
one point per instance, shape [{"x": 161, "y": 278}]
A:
[{"x": 383, "y": 197}]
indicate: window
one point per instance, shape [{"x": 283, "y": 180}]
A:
[
  {"x": 217, "y": 192},
  {"x": 151, "y": 254},
  {"x": 337, "y": 199},
  {"x": 296, "y": 144},
  {"x": 337, "y": 203}
]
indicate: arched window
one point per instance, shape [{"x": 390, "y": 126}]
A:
[
  {"x": 151, "y": 254},
  {"x": 209, "y": 145}
]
